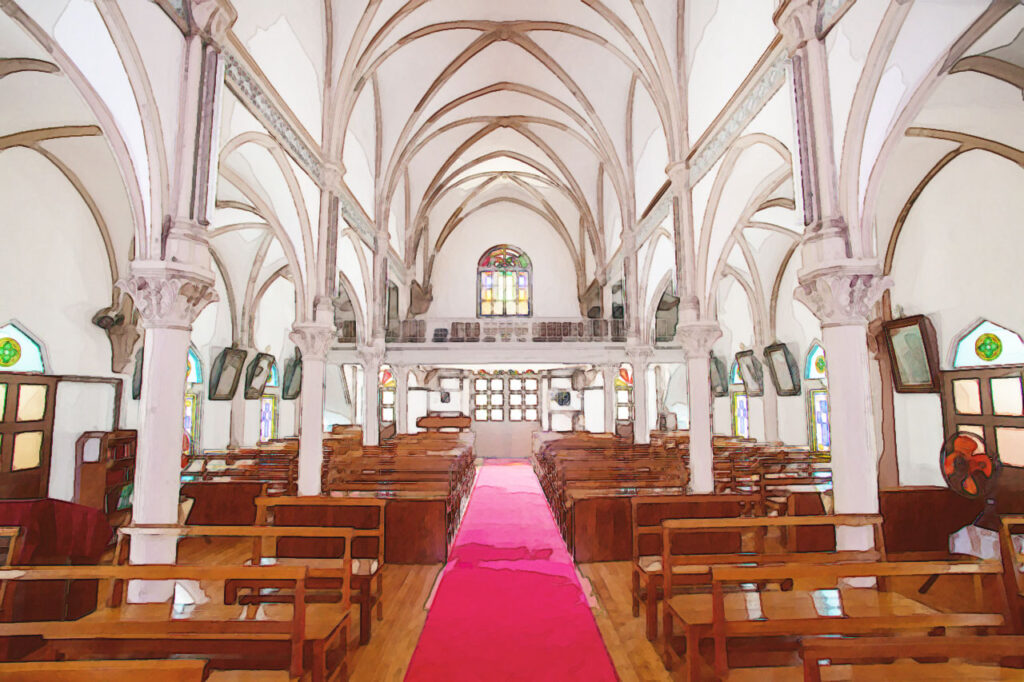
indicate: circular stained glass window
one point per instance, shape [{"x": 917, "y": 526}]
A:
[
  {"x": 819, "y": 363},
  {"x": 988, "y": 347},
  {"x": 10, "y": 352}
]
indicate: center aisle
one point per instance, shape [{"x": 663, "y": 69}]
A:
[{"x": 509, "y": 605}]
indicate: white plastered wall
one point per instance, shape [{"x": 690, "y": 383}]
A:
[
  {"x": 953, "y": 263},
  {"x": 454, "y": 275}
]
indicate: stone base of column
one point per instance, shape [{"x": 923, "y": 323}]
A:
[{"x": 152, "y": 549}]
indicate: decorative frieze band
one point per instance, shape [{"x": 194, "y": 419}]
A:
[
  {"x": 766, "y": 85},
  {"x": 245, "y": 87}
]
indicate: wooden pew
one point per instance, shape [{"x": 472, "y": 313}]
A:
[
  {"x": 297, "y": 636},
  {"x": 867, "y": 650},
  {"x": 771, "y": 621},
  {"x": 1012, "y": 558},
  {"x": 648, "y": 512},
  {"x": 365, "y": 516},
  {"x": 172, "y": 670}
]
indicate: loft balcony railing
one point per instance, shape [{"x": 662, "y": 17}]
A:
[
  {"x": 508, "y": 330},
  {"x": 505, "y": 330}
]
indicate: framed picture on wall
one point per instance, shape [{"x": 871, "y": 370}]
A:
[
  {"x": 225, "y": 373},
  {"x": 292, "y": 383},
  {"x": 914, "y": 354},
  {"x": 719, "y": 378},
  {"x": 750, "y": 370},
  {"x": 257, "y": 375},
  {"x": 782, "y": 366}
]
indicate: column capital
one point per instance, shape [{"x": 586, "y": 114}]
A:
[
  {"x": 372, "y": 353},
  {"x": 313, "y": 339},
  {"x": 679, "y": 175},
  {"x": 638, "y": 354},
  {"x": 168, "y": 295},
  {"x": 212, "y": 19},
  {"x": 697, "y": 338},
  {"x": 842, "y": 292},
  {"x": 797, "y": 21}
]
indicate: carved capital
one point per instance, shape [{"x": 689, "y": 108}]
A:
[
  {"x": 372, "y": 354},
  {"x": 697, "y": 338},
  {"x": 212, "y": 19},
  {"x": 843, "y": 293},
  {"x": 797, "y": 22},
  {"x": 168, "y": 295},
  {"x": 639, "y": 355},
  {"x": 313, "y": 339}
]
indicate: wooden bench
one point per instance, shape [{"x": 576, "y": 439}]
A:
[
  {"x": 174, "y": 670},
  {"x": 1012, "y": 558},
  {"x": 367, "y": 519},
  {"x": 297, "y": 637},
  {"x": 741, "y": 607},
  {"x": 648, "y": 513},
  {"x": 866, "y": 651}
]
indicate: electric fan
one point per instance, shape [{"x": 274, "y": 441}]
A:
[{"x": 969, "y": 467}]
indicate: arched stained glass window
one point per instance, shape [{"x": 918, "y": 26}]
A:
[
  {"x": 816, "y": 367},
  {"x": 988, "y": 344},
  {"x": 19, "y": 352},
  {"x": 504, "y": 283},
  {"x": 194, "y": 374},
  {"x": 734, "y": 375},
  {"x": 275, "y": 379}
]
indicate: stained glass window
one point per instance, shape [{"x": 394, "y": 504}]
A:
[
  {"x": 387, "y": 388},
  {"x": 191, "y": 422},
  {"x": 268, "y": 417},
  {"x": 504, "y": 283},
  {"x": 816, "y": 367},
  {"x": 734, "y": 375},
  {"x": 819, "y": 428},
  {"x": 989, "y": 344},
  {"x": 275, "y": 379},
  {"x": 740, "y": 415},
  {"x": 194, "y": 373},
  {"x": 624, "y": 395},
  {"x": 18, "y": 351}
]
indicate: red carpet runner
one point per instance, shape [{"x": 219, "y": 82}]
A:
[{"x": 509, "y": 605}]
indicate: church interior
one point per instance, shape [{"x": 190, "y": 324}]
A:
[{"x": 540, "y": 340}]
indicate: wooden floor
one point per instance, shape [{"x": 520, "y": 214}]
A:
[
  {"x": 636, "y": 659},
  {"x": 386, "y": 657}
]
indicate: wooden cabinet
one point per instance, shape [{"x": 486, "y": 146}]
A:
[{"x": 105, "y": 472}]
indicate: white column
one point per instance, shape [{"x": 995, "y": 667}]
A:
[
  {"x": 545, "y": 402},
  {"x": 168, "y": 297},
  {"x": 401, "y": 398},
  {"x": 372, "y": 357},
  {"x": 841, "y": 290},
  {"x": 842, "y": 296},
  {"x": 697, "y": 339},
  {"x": 639, "y": 357},
  {"x": 610, "y": 373},
  {"x": 313, "y": 339},
  {"x": 826, "y": 233}
]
